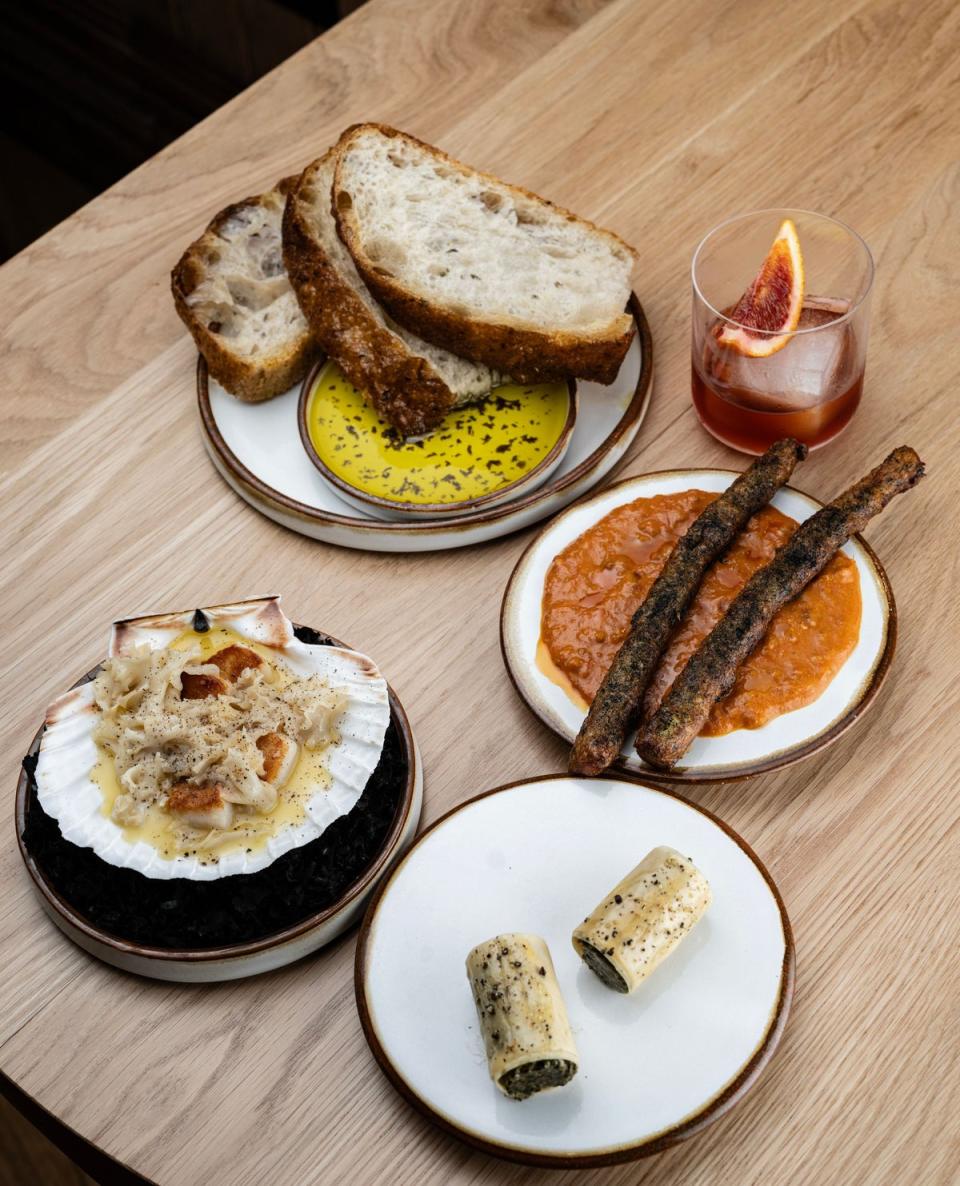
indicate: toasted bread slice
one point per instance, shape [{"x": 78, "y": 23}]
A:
[
  {"x": 411, "y": 383},
  {"x": 232, "y": 294},
  {"x": 487, "y": 270}
]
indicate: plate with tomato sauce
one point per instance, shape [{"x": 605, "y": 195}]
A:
[{"x": 568, "y": 605}]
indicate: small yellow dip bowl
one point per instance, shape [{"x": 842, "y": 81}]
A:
[{"x": 478, "y": 456}]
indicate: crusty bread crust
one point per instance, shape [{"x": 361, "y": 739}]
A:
[
  {"x": 528, "y": 356},
  {"x": 251, "y": 382},
  {"x": 404, "y": 388}
]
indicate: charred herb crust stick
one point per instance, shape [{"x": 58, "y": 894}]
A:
[
  {"x": 710, "y": 673},
  {"x": 617, "y": 702}
]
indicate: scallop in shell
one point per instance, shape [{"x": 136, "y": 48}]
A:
[{"x": 69, "y": 791}]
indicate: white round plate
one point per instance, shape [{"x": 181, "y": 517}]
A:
[
  {"x": 655, "y": 1066},
  {"x": 257, "y": 450},
  {"x": 744, "y": 752}
]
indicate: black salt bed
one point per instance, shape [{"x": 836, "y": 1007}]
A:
[{"x": 193, "y": 915}]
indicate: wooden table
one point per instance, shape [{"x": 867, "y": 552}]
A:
[{"x": 657, "y": 120}]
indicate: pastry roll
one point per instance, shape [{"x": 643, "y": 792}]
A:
[
  {"x": 642, "y": 919},
  {"x": 522, "y": 1015}
]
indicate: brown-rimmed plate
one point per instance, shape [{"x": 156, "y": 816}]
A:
[
  {"x": 257, "y": 450},
  {"x": 463, "y": 425},
  {"x": 536, "y": 856},
  {"x": 745, "y": 752},
  {"x": 209, "y": 964}
]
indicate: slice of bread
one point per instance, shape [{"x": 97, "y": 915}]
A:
[
  {"x": 485, "y": 269},
  {"x": 233, "y": 295},
  {"x": 411, "y": 383}
]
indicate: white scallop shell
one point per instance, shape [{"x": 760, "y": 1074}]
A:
[{"x": 68, "y": 752}]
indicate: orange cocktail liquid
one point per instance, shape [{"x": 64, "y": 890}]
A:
[{"x": 808, "y": 390}]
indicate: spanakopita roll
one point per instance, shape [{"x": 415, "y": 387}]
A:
[
  {"x": 642, "y": 919},
  {"x": 523, "y": 1019}
]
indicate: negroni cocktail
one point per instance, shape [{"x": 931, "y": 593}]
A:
[{"x": 774, "y": 356}]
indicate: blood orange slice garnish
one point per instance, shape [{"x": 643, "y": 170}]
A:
[{"x": 769, "y": 311}]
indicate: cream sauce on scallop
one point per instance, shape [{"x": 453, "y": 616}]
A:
[{"x": 250, "y": 832}]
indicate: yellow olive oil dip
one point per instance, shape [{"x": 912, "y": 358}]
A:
[{"x": 476, "y": 451}]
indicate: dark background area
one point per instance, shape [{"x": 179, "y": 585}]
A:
[{"x": 92, "y": 88}]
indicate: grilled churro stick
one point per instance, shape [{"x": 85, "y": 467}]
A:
[
  {"x": 618, "y": 699},
  {"x": 642, "y": 919},
  {"x": 522, "y": 1015},
  {"x": 710, "y": 673}
]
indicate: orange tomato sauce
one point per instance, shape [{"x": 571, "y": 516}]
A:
[{"x": 593, "y": 587}]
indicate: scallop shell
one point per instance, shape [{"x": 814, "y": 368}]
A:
[{"x": 68, "y": 752}]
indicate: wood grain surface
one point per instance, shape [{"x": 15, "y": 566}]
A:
[{"x": 658, "y": 120}]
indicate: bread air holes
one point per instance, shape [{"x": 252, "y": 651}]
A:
[
  {"x": 384, "y": 255},
  {"x": 249, "y": 294},
  {"x": 272, "y": 263},
  {"x": 344, "y": 201},
  {"x": 492, "y": 201},
  {"x": 529, "y": 215},
  {"x": 220, "y": 320},
  {"x": 264, "y": 253},
  {"x": 239, "y": 220}
]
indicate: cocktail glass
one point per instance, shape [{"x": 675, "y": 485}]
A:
[{"x": 811, "y": 387}]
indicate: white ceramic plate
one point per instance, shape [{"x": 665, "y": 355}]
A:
[
  {"x": 655, "y": 1066},
  {"x": 744, "y": 752},
  {"x": 257, "y": 449}
]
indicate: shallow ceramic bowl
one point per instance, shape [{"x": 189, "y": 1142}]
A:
[
  {"x": 396, "y": 509},
  {"x": 656, "y": 1066},
  {"x": 256, "y": 449},
  {"x": 744, "y": 752},
  {"x": 242, "y": 959}
]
